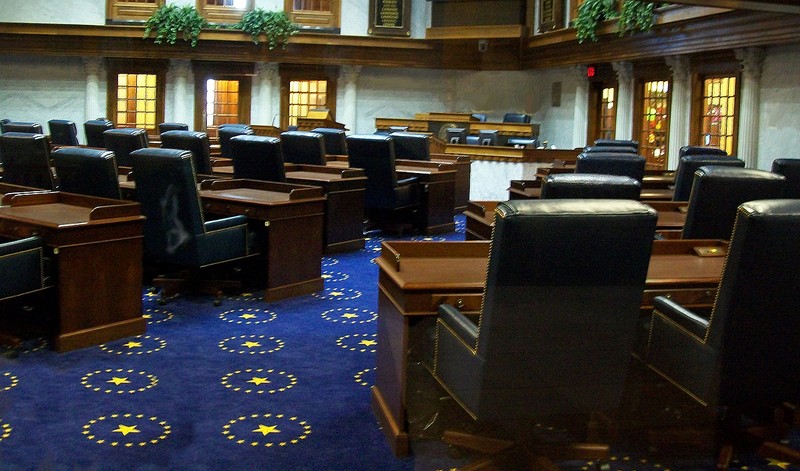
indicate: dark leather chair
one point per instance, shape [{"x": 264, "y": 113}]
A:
[
  {"x": 617, "y": 143},
  {"x": 3, "y": 124},
  {"x": 227, "y": 131},
  {"x": 700, "y": 150},
  {"x": 175, "y": 231},
  {"x": 123, "y": 141},
  {"x": 480, "y": 117},
  {"x": 411, "y": 145},
  {"x": 611, "y": 163},
  {"x": 717, "y": 192},
  {"x": 257, "y": 158},
  {"x": 591, "y": 186},
  {"x": 196, "y": 142},
  {"x": 386, "y": 196},
  {"x": 26, "y": 160},
  {"x": 687, "y": 165},
  {"x": 516, "y": 118},
  {"x": 164, "y": 127},
  {"x": 524, "y": 142},
  {"x": 87, "y": 171},
  {"x": 63, "y": 132},
  {"x": 611, "y": 149},
  {"x": 559, "y": 313},
  {"x": 303, "y": 147},
  {"x": 19, "y": 126},
  {"x": 471, "y": 140},
  {"x": 335, "y": 140},
  {"x": 22, "y": 275},
  {"x": 94, "y": 129},
  {"x": 789, "y": 168},
  {"x": 739, "y": 360}
]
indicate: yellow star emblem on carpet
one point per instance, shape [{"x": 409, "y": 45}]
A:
[
  {"x": 248, "y": 316},
  {"x": 256, "y": 380},
  {"x": 367, "y": 343},
  {"x": 132, "y": 344},
  {"x": 126, "y": 429},
  {"x": 117, "y": 381},
  {"x": 350, "y": 315},
  {"x": 778, "y": 463},
  {"x": 251, "y": 344},
  {"x": 267, "y": 429}
]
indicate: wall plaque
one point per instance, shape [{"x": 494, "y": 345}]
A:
[{"x": 390, "y": 17}]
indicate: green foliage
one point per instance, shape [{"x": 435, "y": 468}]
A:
[
  {"x": 170, "y": 20},
  {"x": 634, "y": 15},
  {"x": 275, "y": 25}
]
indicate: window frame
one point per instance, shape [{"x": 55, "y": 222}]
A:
[
  {"x": 155, "y": 67},
  {"x": 222, "y": 14},
  {"x": 289, "y": 73},
  {"x": 701, "y": 72},
  {"x": 327, "y": 21},
  {"x": 649, "y": 72},
  {"x": 203, "y": 71},
  {"x": 605, "y": 77},
  {"x": 119, "y": 11}
]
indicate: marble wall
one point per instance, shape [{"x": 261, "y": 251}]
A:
[{"x": 779, "y": 111}]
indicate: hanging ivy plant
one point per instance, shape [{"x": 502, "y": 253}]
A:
[
  {"x": 170, "y": 20},
  {"x": 635, "y": 15},
  {"x": 274, "y": 25}
]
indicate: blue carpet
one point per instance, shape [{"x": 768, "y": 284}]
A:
[{"x": 247, "y": 385}]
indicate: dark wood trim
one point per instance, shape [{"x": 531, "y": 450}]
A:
[{"x": 775, "y": 6}]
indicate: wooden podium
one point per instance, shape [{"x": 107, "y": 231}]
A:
[{"x": 318, "y": 119}]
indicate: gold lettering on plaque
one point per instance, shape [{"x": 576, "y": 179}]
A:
[{"x": 390, "y": 13}]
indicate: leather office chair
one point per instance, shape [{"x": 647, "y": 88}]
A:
[
  {"x": 386, "y": 197},
  {"x": 196, "y": 142},
  {"x": 257, "y": 158},
  {"x": 617, "y": 143},
  {"x": 411, "y": 145},
  {"x": 516, "y": 118},
  {"x": 611, "y": 149},
  {"x": 789, "y": 168},
  {"x": 335, "y": 140},
  {"x": 3, "y": 124},
  {"x": 175, "y": 231},
  {"x": 303, "y": 147},
  {"x": 164, "y": 127},
  {"x": 87, "y": 171},
  {"x": 94, "y": 129},
  {"x": 26, "y": 160},
  {"x": 559, "y": 313},
  {"x": 687, "y": 165},
  {"x": 123, "y": 141},
  {"x": 591, "y": 186},
  {"x": 480, "y": 117},
  {"x": 63, "y": 132},
  {"x": 525, "y": 142},
  {"x": 19, "y": 126},
  {"x": 741, "y": 358},
  {"x": 227, "y": 131},
  {"x": 717, "y": 192},
  {"x": 700, "y": 150},
  {"x": 23, "y": 275},
  {"x": 610, "y": 163}
]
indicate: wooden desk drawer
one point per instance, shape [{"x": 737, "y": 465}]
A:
[
  {"x": 467, "y": 302},
  {"x": 689, "y": 298}
]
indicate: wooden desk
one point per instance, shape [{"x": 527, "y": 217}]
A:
[
  {"x": 344, "y": 190},
  {"x": 288, "y": 219},
  {"x": 435, "y": 123},
  {"x": 416, "y": 277},
  {"x": 514, "y": 154},
  {"x": 532, "y": 189},
  {"x": 97, "y": 246}
]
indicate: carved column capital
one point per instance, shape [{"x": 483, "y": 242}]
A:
[
  {"x": 579, "y": 73},
  {"x": 93, "y": 65},
  {"x": 624, "y": 71},
  {"x": 180, "y": 67},
  {"x": 267, "y": 70},
  {"x": 349, "y": 73},
  {"x": 679, "y": 65},
  {"x": 751, "y": 60}
]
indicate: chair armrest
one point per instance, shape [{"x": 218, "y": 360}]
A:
[
  {"x": 20, "y": 245},
  {"x": 224, "y": 223},
  {"x": 459, "y": 323},
  {"x": 407, "y": 181},
  {"x": 686, "y": 319}
]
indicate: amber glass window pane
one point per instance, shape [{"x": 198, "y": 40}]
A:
[
  {"x": 719, "y": 112},
  {"x": 655, "y": 122},
  {"x": 136, "y": 101},
  {"x": 306, "y": 95}
]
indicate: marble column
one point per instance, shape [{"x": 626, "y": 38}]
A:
[
  {"x": 581, "y": 115},
  {"x": 95, "y": 106},
  {"x": 679, "y": 118},
  {"x": 183, "y": 99},
  {"x": 266, "y": 88},
  {"x": 346, "y": 111},
  {"x": 624, "y": 72},
  {"x": 752, "y": 60}
]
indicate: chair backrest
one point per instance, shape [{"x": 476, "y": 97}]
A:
[
  {"x": 717, "y": 192},
  {"x": 63, "y": 132},
  {"x": 375, "y": 154},
  {"x": 611, "y": 149},
  {"x": 303, "y": 147},
  {"x": 789, "y": 168},
  {"x": 164, "y": 127},
  {"x": 592, "y": 186},
  {"x": 754, "y": 323},
  {"x": 257, "y": 158},
  {"x": 687, "y": 165},
  {"x": 335, "y": 140},
  {"x": 612, "y": 163},
  {"x": 617, "y": 143},
  {"x": 26, "y": 160},
  {"x": 87, "y": 171},
  {"x": 563, "y": 290},
  {"x": 480, "y": 117},
  {"x": 516, "y": 118},
  {"x": 411, "y": 145},
  {"x": 700, "y": 150},
  {"x": 227, "y": 131},
  {"x": 123, "y": 141},
  {"x": 94, "y": 129},
  {"x": 167, "y": 192},
  {"x": 196, "y": 142},
  {"x": 19, "y": 126}
]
